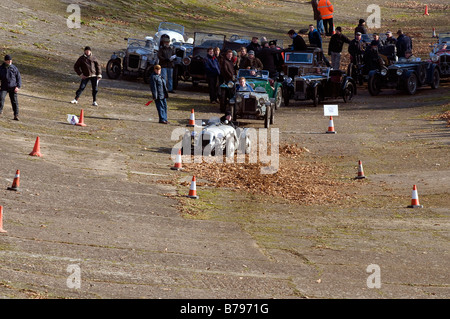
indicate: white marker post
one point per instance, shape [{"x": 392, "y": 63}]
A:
[{"x": 330, "y": 110}]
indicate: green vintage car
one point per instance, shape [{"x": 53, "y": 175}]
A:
[{"x": 257, "y": 78}]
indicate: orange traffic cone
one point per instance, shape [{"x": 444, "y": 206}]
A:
[
  {"x": 434, "y": 33},
  {"x": 193, "y": 189},
  {"x": 426, "y": 11},
  {"x": 1, "y": 221},
  {"x": 16, "y": 182},
  {"x": 37, "y": 148},
  {"x": 177, "y": 166},
  {"x": 192, "y": 119},
  {"x": 360, "y": 171},
  {"x": 415, "y": 199},
  {"x": 81, "y": 122},
  {"x": 331, "y": 126},
  {"x": 334, "y": 30}
]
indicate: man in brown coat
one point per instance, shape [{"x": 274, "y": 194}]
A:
[
  {"x": 88, "y": 68},
  {"x": 227, "y": 68}
]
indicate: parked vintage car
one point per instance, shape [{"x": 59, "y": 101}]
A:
[
  {"x": 217, "y": 138},
  {"x": 195, "y": 68},
  {"x": 295, "y": 64},
  {"x": 256, "y": 104},
  {"x": 320, "y": 83},
  {"x": 406, "y": 74},
  {"x": 137, "y": 60},
  {"x": 440, "y": 54}
]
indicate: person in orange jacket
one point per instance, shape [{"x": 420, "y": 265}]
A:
[{"x": 326, "y": 11}]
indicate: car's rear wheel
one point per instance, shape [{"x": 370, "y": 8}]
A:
[
  {"x": 272, "y": 115},
  {"x": 349, "y": 92},
  {"x": 286, "y": 98},
  {"x": 148, "y": 71},
  {"x": 374, "y": 86},
  {"x": 411, "y": 84},
  {"x": 435, "y": 80},
  {"x": 113, "y": 69}
]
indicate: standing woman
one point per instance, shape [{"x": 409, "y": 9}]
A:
[{"x": 159, "y": 93}]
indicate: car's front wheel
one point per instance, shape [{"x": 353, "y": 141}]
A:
[
  {"x": 411, "y": 84},
  {"x": 349, "y": 92},
  {"x": 267, "y": 118},
  {"x": 272, "y": 115},
  {"x": 315, "y": 96},
  {"x": 113, "y": 69},
  {"x": 286, "y": 97},
  {"x": 374, "y": 85},
  {"x": 278, "y": 98},
  {"x": 436, "y": 79}
]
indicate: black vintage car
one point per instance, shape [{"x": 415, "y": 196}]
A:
[
  {"x": 319, "y": 83},
  {"x": 440, "y": 55},
  {"x": 406, "y": 74},
  {"x": 297, "y": 63}
]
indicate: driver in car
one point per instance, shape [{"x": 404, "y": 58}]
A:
[
  {"x": 243, "y": 85},
  {"x": 226, "y": 119}
]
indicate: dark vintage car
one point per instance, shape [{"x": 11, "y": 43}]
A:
[
  {"x": 320, "y": 83},
  {"x": 137, "y": 60},
  {"x": 295, "y": 64},
  {"x": 406, "y": 74},
  {"x": 255, "y": 78},
  {"x": 440, "y": 55},
  {"x": 195, "y": 68},
  {"x": 256, "y": 104}
]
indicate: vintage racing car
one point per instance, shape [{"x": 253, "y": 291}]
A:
[
  {"x": 137, "y": 60},
  {"x": 440, "y": 55},
  {"x": 319, "y": 83},
  {"x": 256, "y": 104},
  {"x": 217, "y": 138}
]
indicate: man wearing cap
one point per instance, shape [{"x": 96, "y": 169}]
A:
[
  {"x": 361, "y": 27},
  {"x": 403, "y": 44},
  {"x": 254, "y": 45},
  {"x": 356, "y": 49},
  {"x": 389, "y": 39},
  {"x": 159, "y": 93},
  {"x": 11, "y": 83},
  {"x": 335, "y": 48},
  {"x": 166, "y": 55},
  {"x": 298, "y": 44},
  {"x": 252, "y": 62},
  {"x": 88, "y": 68}
]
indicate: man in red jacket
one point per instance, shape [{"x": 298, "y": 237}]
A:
[
  {"x": 88, "y": 68},
  {"x": 326, "y": 11}
]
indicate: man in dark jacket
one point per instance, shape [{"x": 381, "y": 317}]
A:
[
  {"x": 88, "y": 68},
  {"x": 298, "y": 44},
  {"x": 372, "y": 59},
  {"x": 254, "y": 45},
  {"x": 252, "y": 62},
  {"x": 335, "y": 48},
  {"x": 159, "y": 93},
  {"x": 11, "y": 83},
  {"x": 166, "y": 55},
  {"x": 227, "y": 67},
  {"x": 404, "y": 44},
  {"x": 212, "y": 70},
  {"x": 389, "y": 39},
  {"x": 356, "y": 49},
  {"x": 314, "y": 37},
  {"x": 267, "y": 57},
  {"x": 361, "y": 27}
]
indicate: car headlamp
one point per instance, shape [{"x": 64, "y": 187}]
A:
[
  {"x": 435, "y": 58},
  {"x": 238, "y": 99},
  {"x": 383, "y": 72},
  {"x": 399, "y": 72},
  {"x": 261, "y": 100},
  {"x": 230, "y": 85},
  {"x": 186, "y": 61}
]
